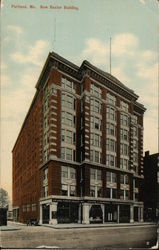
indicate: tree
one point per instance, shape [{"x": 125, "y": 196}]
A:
[{"x": 4, "y": 198}]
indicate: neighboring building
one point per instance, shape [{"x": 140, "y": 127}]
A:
[
  {"x": 79, "y": 155},
  {"x": 151, "y": 186}
]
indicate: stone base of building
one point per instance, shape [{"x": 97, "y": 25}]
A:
[{"x": 56, "y": 211}]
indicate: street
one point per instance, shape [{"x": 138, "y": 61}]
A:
[{"x": 124, "y": 236}]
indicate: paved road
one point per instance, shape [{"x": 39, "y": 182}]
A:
[{"x": 27, "y": 237}]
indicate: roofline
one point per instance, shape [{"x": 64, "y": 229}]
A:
[{"x": 34, "y": 98}]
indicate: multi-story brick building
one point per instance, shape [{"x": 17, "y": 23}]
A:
[{"x": 79, "y": 155}]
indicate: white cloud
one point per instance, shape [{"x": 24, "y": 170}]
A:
[
  {"x": 142, "y": 2},
  {"x": 96, "y": 51},
  {"x": 15, "y": 29},
  {"x": 124, "y": 44},
  {"x": 34, "y": 54}
]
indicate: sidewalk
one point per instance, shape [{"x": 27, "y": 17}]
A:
[
  {"x": 11, "y": 226},
  {"x": 71, "y": 225}
]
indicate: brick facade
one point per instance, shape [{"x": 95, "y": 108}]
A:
[{"x": 41, "y": 150}]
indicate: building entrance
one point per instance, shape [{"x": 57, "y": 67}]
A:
[
  {"x": 67, "y": 212},
  {"x": 124, "y": 213},
  {"x": 136, "y": 214},
  {"x": 96, "y": 214},
  {"x": 45, "y": 214},
  {"x": 110, "y": 213}
]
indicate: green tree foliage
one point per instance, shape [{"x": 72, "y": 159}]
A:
[{"x": 4, "y": 198}]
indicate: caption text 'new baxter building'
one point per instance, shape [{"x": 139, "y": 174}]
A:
[{"x": 79, "y": 155}]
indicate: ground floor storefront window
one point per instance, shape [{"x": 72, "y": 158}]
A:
[
  {"x": 67, "y": 212},
  {"x": 124, "y": 216},
  {"x": 111, "y": 213}
]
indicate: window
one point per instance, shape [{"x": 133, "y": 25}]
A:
[
  {"x": 62, "y": 153},
  {"x": 95, "y": 90},
  {"x": 99, "y": 175},
  {"x": 111, "y": 113},
  {"x": 124, "y": 134},
  {"x": 68, "y": 84},
  {"x": 108, "y": 176},
  {"x": 68, "y": 173},
  {"x": 95, "y": 182},
  {"x": 68, "y": 180},
  {"x": 64, "y": 172},
  {"x": 124, "y": 179},
  {"x": 111, "y": 99},
  {"x": 64, "y": 190},
  {"x": 72, "y": 173},
  {"x": 95, "y": 105},
  {"x": 68, "y": 154},
  {"x": 68, "y": 118},
  {"x": 95, "y": 140},
  {"x": 111, "y": 177},
  {"x": 124, "y": 163},
  {"x": 95, "y": 156},
  {"x": 110, "y": 160},
  {"x": 110, "y": 129},
  {"x": 134, "y": 119},
  {"x": 110, "y": 145},
  {"x": 92, "y": 191},
  {"x": 108, "y": 192},
  {"x": 95, "y": 122},
  {"x": 99, "y": 192},
  {"x": 124, "y": 120},
  {"x": 72, "y": 190},
  {"x": 124, "y": 106},
  {"x": 111, "y": 193},
  {"x": 68, "y": 136},
  {"x": 124, "y": 194},
  {"x": 121, "y": 194},
  {"x": 124, "y": 149},
  {"x": 68, "y": 101},
  {"x": 114, "y": 193},
  {"x": 93, "y": 174}
]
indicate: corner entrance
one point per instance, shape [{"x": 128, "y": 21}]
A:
[{"x": 45, "y": 213}]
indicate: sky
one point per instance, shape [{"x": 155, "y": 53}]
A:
[{"x": 77, "y": 30}]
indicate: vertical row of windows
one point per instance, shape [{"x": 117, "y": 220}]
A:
[
  {"x": 45, "y": 182},
  {"x": 110, "y": 135},
  {"x": 68, "y": 120},
  {"x": 45, "y": 124},
  {"x": 95, "y": 124}
]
